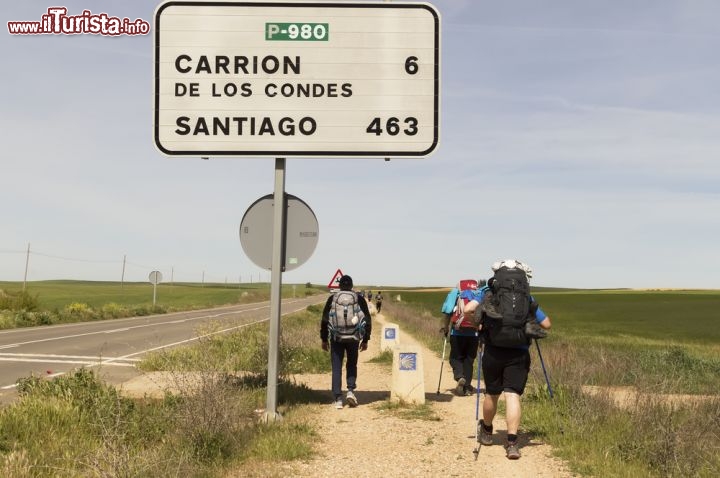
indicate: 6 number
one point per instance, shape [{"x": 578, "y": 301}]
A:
[{"x": 411, "y": 65}]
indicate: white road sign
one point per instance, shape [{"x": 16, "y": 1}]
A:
[
  {"x": 155, "y": 277},
  {"x": 312, "y": 79}
]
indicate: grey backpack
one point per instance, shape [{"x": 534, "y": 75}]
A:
[{"x": 346, "y": 321}]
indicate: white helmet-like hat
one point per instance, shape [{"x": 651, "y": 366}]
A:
[{"x": 513, "y": 264}]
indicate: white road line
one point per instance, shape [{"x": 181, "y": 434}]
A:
[
  {"x": 83, "y": 362},
  {"x": 55, "y": 356}
]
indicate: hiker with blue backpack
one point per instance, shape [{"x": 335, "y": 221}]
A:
[
  {"x": 459, "y": 325},
  {"x": 345, "y": 330},
  {"x": 509, "y": 318}
]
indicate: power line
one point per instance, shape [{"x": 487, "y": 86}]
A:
[
  {"x": 73, "y": 258},
  {"x": 214, "y": 278}
]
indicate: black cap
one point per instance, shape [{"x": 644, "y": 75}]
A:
[{"x": 346, "y": 282}]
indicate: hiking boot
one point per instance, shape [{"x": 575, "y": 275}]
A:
[
  {"x": 338, "y": 403},
  {"x": 512, "y": 451},
  {"x": 352, "y": 401},
  {"x": 460, "y": 389},
  {"x": 469, "y": 390},
  {"x": 484, "y": 437}
]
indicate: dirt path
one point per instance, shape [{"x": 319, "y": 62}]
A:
[{"x": 367, "y": 442}]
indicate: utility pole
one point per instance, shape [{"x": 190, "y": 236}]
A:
[
  {"x": 27, "y": 261},
  {"x": 122, "y": 277}
]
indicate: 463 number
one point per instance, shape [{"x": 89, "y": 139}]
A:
[{"x": 393, "y": 126}]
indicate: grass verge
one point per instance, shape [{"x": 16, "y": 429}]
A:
[{"x": 75, "y": 425}]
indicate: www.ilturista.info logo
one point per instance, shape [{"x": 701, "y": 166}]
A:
[{"x": 58, "y": 22}]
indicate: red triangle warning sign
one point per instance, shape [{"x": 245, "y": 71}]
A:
[{"x": 335, "y": 281}]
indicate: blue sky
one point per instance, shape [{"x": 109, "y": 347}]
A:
[{"x": 579, "y": 137}]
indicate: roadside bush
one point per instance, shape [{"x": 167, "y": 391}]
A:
[
  {"x": 7, "y": 320},
  {"x": 22, "y": 300},
  {"x": 141, "y": 310},
  {"x": 78, "y": 311},
  {"x": 112, "y": 310},
  {"x": 212, "y": 419},
  {"x": 24, "y": 318},
  {"x": 159, "y": 309},
  {"x": 75, "y": 422}
]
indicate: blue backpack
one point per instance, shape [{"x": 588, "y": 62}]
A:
[{"x": 450, "y": 301}]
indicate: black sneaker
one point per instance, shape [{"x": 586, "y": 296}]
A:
[{"x": 469, "y": 390}]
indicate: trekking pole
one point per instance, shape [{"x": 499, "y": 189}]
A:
[
  {"x": 441, "y": 365},
  {"x": 542, "y": 362},
  {"x": 476, "y": 451},
  {"x": 550, "y": 391}
]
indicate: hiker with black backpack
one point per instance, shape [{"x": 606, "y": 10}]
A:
[
  {"x": 509, "y": 319},
  {"x": 345, "y": 329}
]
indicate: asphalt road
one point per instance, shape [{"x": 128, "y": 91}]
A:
[{"x": 113, "y": 347}]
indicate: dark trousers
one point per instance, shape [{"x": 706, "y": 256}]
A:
[
  {"x": 462, "y": 356},
  {"x": 337, "y": 354}
]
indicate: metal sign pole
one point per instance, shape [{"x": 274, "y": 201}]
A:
[{"x": 275, "y": 289}]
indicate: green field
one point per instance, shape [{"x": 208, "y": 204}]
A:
[
  {"x": 60, "y": 293},
  {"x": 688, "y": 317}
]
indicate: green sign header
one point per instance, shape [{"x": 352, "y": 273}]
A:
[{"x": 297, "y": 31}]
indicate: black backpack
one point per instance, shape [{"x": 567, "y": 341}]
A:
[{"x": 508, "y": 308}]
